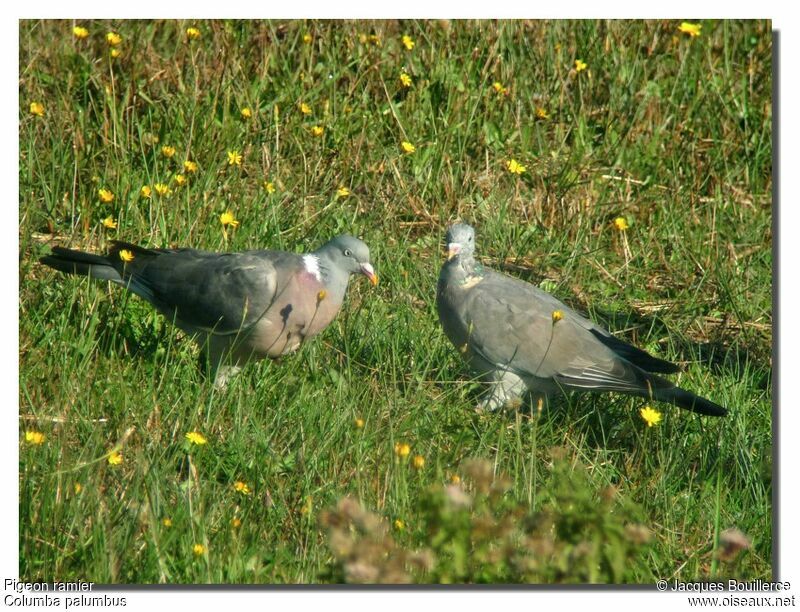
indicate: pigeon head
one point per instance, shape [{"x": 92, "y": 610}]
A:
[
  {"x": 460, "y": 241},
  {"x": 348, "y": 254}
]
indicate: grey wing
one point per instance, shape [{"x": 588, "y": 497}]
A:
[
  {"x": 222, "y": 293},
  {"x": 512, "y": 327}
]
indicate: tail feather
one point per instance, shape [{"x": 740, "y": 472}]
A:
[
  {"x": 689, "y": 401},
  {"x": 81, "y": 263},
  {"x": 636, "y": 356}
]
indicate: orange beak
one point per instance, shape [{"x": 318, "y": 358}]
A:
[
  {"x": 453, "y": 249},
  {"x": 369, "y": 272}
]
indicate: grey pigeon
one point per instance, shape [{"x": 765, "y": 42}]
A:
[
  {"x": 523, "y": 340},
  {"x": 236, "y": 306}
]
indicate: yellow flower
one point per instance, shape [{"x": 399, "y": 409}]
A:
[
  {"x": 192, "y": 33},
  {"x": 109, "y": 222},
  {"x": 195, "y": 437},
  {"x": 198, "y": 549},
  {"x": 557, "y": 316},
  {"x": 190, "y": 166},
  {"x": 541, "y": 113},
  {"x": 317, "y": 130},
  {"x": 115, "y": 458},
  {"x": 321, "y": 295},
  {"x": 79, "y": 32},
  {"x": 227, "y": 218},
  {"x": 162, "y": 189},
  {"x": 514, "y": 167},
  {"x": 418, "y": 462},
  {"x": 115, "y": 53},
  {"x": 580, "y": 65},
  {"x": 37, "y": 108},
  {"x": 105, "y": 195},
  {"x": 77, "y": 488},
  {"x": 179, "y": 179},
  {"x": 308, "y": 505},
  {"x": 455, "y": 479},
  {"x": 359, "y": 423},
  {"x": 692, "y": 29},
  {"x": 113, "y": 39},
  {"x": 405, "y": 79},
  {"x": 621, "y": 223},
  {"x": 402, "y": 449},
  {"x": 126, "y": 255},
  {"x": 234, "y": 158},
  {"x": 269, "y": 187},
  {"x": 650, "y": 416},
  {"x": 305, "y": 108},
  {"x": 166, "y": 521},
  {"x": 242, "y": 487},
  {"x": 407, "y": 147},
  {"x": 236, "y": 522},
  {"x": 343, "y": 192},
  {"x": 374, "y": 39},
  {"x": 34, "y": 437},
  {"x": 146, "y": 192},
  {"x": 167, "y": 151},
  {"x": 498, "y": 87},
  {"x": 399, "y": 524},
  {"x": 307, "y": 38},
  {"x": 246, "y": 113},
  {"x": 408, "y": 42}
]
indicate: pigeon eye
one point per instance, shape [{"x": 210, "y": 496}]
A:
[{"x": 348, "y": 252}]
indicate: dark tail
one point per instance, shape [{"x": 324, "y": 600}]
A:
[
  {"x": 636, "y": 356},
  {"x": 83, "y": 264},
  {"x": 688, "y": 400}
]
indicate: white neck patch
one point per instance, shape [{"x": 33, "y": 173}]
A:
[{"x": 311, "y": 264}]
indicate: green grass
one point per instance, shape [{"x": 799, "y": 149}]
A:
[{"x": 673, "y": 133}]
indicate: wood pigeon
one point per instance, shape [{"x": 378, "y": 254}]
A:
[
  {"x": 236, "y": 306},
  {"x": 522, "y": 339}
]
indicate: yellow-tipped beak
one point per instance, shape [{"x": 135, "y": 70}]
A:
[
  {"x": 369, "y": 272},
  {"x": 453, "y": 249}
]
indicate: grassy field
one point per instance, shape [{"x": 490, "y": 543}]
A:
[{"x": 670, "y": 131}]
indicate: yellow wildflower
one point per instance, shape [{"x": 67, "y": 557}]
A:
[
  {"x": 166, "y": 521},
  {"x": 321, "y": 295},
  {"x": 236, "y": 522},
  {"x": 402, "y": 449},
  {"x": 541, "y": 113},
  {"x": 234, "y": 158},
  {"x": 399, "y": 524},
  {"x": 77, "y": 488},
  {"x": 621, "y": 223},
  {"x": 179, "y": 179},
  {"x": 359, "y": 423},
  {"x": 307, "y": 38},
  {"x": 692, "y": 29},
  {"x": 374, "y": 39},
  {"x": 79, "y": 32},
  {"x": 343, "y": 192},
  {"x": 126, "y": 255},
  {"x": 106, "y": 195},
  {"x": 557, "y": 316},
  {"x": 113, "y": 39},
  {"x": 269, "y": 187},
  {"x": 405, "y": 79},
  {"x": 115, "y": 53},
  {"x": 190, "y": 166},
  {"x": 195, "y": 437},
  {"x": 455, "y": 479},
  {"x": 109, "y": 222},
  {"x": 514, "y": 167},
  {"x": 34, "y": 437},
  {"x": 162, "y": 189},
  {"x": 580, "y": 65},
  {"x": 198, "y": 549},
  {"x": 115, "y": 457},
  {"x": 650, "y": 416},
  {"x": 227, "y": 218},
  {"x": 246, "y": 113},
  {"x": 167, "y": 151},
  {"x": 407, "y": 147},
  {"x": 408, "y": 42},
  {"x": 418, "y": 462},
  {"x": 37, "y": 108},
  {"x": 146, "y": 192},
  {"x": 192, "y": 33},
  {"x": 317, "y": 130},
  {"x": 242, "y": 487},
  {"x": 305, "y": 108},
  {"x": 498, "y": 87}
]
